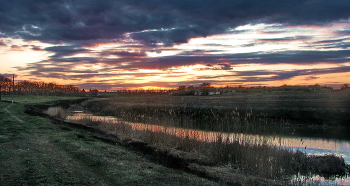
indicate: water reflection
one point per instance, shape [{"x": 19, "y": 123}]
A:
[
  {"x": 320, "y": 181},
  {"x": 315, "y": 146}
]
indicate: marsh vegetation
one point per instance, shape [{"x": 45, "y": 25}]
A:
[{"x": 219, "y": 130}]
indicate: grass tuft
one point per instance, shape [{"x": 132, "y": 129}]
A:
[{"x": 57, "y": 112}]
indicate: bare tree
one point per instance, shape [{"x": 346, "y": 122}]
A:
[{"x": 345, "y": 86}]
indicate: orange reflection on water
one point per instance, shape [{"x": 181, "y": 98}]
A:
[{"x": 211, "y": 136}]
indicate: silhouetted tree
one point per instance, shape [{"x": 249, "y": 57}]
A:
[
  {"x": 183, "y": 87},
  {"x": 206, "y": 88},
  {"x": 345, "y": 86},
  {"x": 4, "y": 79},
  {"x": 93, "y": 92},
  {"x": 5, "y": 83},
  {"x": 205, "y": 85}
]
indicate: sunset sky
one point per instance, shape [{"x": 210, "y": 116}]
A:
[{"x": 124, "y": 44}]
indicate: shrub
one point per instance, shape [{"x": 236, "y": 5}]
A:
[
  {"x": 327, "y": 165},
  {"x": 57, "y": 112}
]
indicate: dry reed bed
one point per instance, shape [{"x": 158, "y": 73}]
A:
[
  {"x": 257, "y": 158},
  {"x": 248, "y": 156}
]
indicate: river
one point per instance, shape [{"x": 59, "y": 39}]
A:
[{"x": 311, "y": 145}]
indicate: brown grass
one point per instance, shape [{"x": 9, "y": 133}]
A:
[
  {"x": 253, "y": 158},
  {"x": 58, "y": 112}
]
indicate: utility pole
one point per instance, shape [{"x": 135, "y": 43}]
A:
[
  {"x": 13, "y": 86},
  {"x": 0, "y": 92},
  {"x": 13, "y": 83}
]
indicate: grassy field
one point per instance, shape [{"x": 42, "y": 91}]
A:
[
  {"x": 33, "y": 151},
  {"x": 314, "y": 108},
  {"x": 36, "y": 99}
]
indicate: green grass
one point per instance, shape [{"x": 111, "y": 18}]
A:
[
  {"x": 36, "y": 99},
  {"x": 37, "y": 152}
]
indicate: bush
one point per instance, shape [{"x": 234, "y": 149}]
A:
[
  {"x": 57, "y": 112},
  {"x": 327, "y": 165}
]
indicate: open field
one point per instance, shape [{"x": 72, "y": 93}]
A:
[
  {"x": 33, "y": 151},
  {"x": 36, "y": 99},
  {"x": 310, "y": 108}
]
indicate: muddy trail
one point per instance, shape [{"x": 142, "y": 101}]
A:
[{"x": 171, "y": 158}]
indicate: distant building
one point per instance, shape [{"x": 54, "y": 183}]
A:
[
  {"x": 214, "y": 93},
  {"x": 206, "y": 93}
]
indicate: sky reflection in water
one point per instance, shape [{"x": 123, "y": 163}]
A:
[{"x": 314, "y": 146}]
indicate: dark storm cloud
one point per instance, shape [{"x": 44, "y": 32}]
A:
[
  {"x": 62, "y": 51},
  {"x": 265, "y": 75},
  {"x": 292, "y": 57},
  {"x": 75, "y": 75},
  {"x": 344, "y": 32},
  {"x": 91, "y": 76},
  {"x": 335, "y": 45},
  {"x": 72, "y": 60},
  {"x": 133, "y": 61},
  {"x": 220, "y": 66},
  {"x": 36, "y": 48},
  {"x": 277, "y": 39},
  {"x": 285, "y": 39},
  {"x": 344, "y": 45},
  {"x": 330, "y": 41},
  {"x": 65, "y": 68},
  {"x": 154, "y": 21},
  {"x": 105, "y": 85},
  {"x": 124, "y": 53}
]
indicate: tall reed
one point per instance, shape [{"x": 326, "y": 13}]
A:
[{"x": 249, "y": 155}]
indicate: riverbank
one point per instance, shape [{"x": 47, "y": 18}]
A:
[
  {"x": 188, "y": 163},
  {"x": 38, "y": 152},
  {"x": 99, "y": 153}
]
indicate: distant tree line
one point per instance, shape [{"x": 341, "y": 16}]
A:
[
  {"x": 143, "y": 91},
  {"x": 8, "y": 87},
  {"x": 206, "y": 88},
  {"x": 203, "y": 89}
]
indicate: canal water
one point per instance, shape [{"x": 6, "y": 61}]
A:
[{"x": 315, "y": 145}]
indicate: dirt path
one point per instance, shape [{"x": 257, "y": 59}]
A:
[{"x": 12, "y": 115}]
